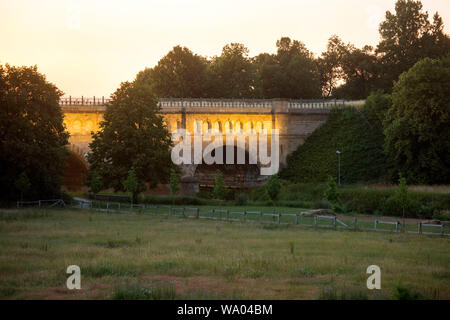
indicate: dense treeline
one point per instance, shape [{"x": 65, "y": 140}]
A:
[
  {"x": 33, "y": 138},
  {"x": 342, "y": 71},
  {"x": 404, "y": 133}
]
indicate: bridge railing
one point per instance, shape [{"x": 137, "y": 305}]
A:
[
  {"x": 215, "y": 103},
  {"x": 221, "y": 103},
  {"x": 83, "y": 101}
]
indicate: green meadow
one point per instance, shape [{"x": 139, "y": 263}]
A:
[{"x": 139, "y": 256}]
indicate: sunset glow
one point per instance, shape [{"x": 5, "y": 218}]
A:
[{"x": 89, "y": 47}]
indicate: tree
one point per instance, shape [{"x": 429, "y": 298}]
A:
[
  {"x": 179, "y": 74},
  {"x": 375, "y": 108},
  {"x": 220, "y": 190},
  {"x": 33, "y": 137},
  {"x": 132, "y": 185},
  {"x": 293, "y": 72},
  {"x": 233, "y": 73},
  {"x": 361, "y": 73},
  {"x": 174, "y": 182},
  {"x": 407, "y": 36},
  {"x": 96, "y": 183},
  {"x": 331, "y": 193},
  {"x": 417, "y": 142},
  {"x": 330, "y": 65},
  {"x": 22, "y": 184},
  {"x": 402, "y": 198},
  {"x": 273, "y": 187},
  {"x": 132, "y": 135}
]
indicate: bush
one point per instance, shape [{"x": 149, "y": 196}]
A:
[
  {"x": 365, "y": 201},
  {"x": 240, "y": 199},
  {"x": 179, "y": 200},
  {"x": 404, "y": 293}
]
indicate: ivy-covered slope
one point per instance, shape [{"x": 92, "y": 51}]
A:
[{"x": 348, "y": 131}]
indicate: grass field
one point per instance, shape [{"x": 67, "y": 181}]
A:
[{"x": 134, "y": 256}]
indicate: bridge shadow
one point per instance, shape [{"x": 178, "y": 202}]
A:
[{"x": 235, "y": 175}]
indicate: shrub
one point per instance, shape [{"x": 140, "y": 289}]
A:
[
  {"x": 331, "y": 193},
  {"x": 404, "y": 293},
  {"x": 240, "y": 199},
  {"x": 273, "y": 187},
  {"x": 220, "y": 190}
]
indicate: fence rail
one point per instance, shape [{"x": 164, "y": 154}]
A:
[{"x": 301, "y": 218}]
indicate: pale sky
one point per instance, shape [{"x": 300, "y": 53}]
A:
[{"x": 89, "y": 47}]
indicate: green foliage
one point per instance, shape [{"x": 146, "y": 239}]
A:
[
  {"x": 33, "y": 137},
  {"x": 362, "y": 200},
  {"x": 417, "y": 125},
  {"x": 233, "y": 73},
  {"x": 179, "y": 74},
  {"x": 96, "y": 183},
  {"x": 375, "y": 108},
  {"x": 131, "y": 184},
  {"x": 22, "y": 184},
  {"x": 405, "y": 293},
  {"x": 240, "y": 199},
  {"x": 347, "y": 130},
  {"x": 132, "y": 135},
  {"x": 331, "y": 193},
  {"x": 407, "y": 36},
  {"x": 220, "y": 190},
  {"x": 291, "y": 73},
  {"x": 401, "y": 197},
  {"x": 174, "y": 182},
  {"x": 273, "y": 187}
]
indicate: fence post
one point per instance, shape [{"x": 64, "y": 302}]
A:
[
  {"x": 197, "y": 213},
  {"x": 354, "y": 222},
  {"x": 396, "y": 226},
  {"x": 375, "y": 225},
  {"x": 261, "y": 217},
  {"x": 228, "y": 215},
  {"x": 442, "y": 229},
  {"x": 279, "y": 218},
  {"x": 334, "y": 222},
  {"x": 245, "y": 216},
  {"x": 296, "y": 218},
  {"x": 182, "y": 212},
  {"x": 419, "y": 227},
  {"x": 107, "y": 207},
  {"x": 315, "y": 221},
  {"x": 39, "y": 203},
  {"x": 119, "y": 206}
]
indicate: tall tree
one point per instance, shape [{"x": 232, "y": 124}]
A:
[
  {"x": 417, "y": 125},
  {"x": 360, "y": 71},
  {"x": 179, "y": 74},
  {"x": 33, "y": 138},
  {"x": 233, "y": 73},
  {"x": 132, "y": 135},
  {"x": 407, "y": 36},
  {"x": 330, "y": 65},
  {"x": 294, "y": 73}
]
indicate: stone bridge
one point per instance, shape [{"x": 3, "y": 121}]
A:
[{"x": 295, "y": 120}]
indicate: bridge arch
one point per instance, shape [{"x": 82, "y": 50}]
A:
[{"x": 235, "y": 175}]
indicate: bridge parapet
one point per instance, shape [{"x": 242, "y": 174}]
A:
[{"x": 279, "y": 105}]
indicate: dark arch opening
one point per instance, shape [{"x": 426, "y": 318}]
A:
[
  {"x": 75, "y": 172},
  {"x": 235, "y": 175}
]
